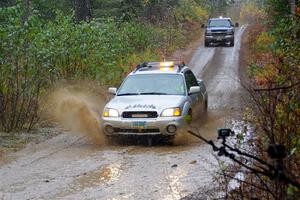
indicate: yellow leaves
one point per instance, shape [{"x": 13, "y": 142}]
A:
[
  {"x": 267, "y": 62},
  {"x": 265, "y": 75},
  {"x": 190, "y": 12},
  {"x": 129, "y": 63},
  {"x": 265, "y": 38},
  {"x": 201, "y": 13},
  {"x": 263, "y": 42},
  {"x": 297, "y": 111},
  {"x": 252, "y": 14},
  {"x": 298, "y": 10}
]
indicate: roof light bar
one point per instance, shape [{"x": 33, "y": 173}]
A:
[
  {"x": 166, "y": 64},
  {"x": 166, "y": 69}
]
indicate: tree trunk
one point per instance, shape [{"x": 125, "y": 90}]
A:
[
  {"x": 292, "y": 6},
  {"x": 82, "y": 10},
  {"x": 26, "y": 5}
]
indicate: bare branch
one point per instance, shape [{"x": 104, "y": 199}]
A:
[{"x": 277, "y": 88}]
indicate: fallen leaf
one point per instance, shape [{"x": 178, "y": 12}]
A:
[{"x": 193, "y": 162}]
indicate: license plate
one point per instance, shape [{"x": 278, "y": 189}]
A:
[{"x": 139, "y": 124}]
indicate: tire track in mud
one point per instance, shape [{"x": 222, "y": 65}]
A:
[{"x": 220, "y": 73}]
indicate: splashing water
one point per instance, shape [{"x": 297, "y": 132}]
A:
[{"x": 77, "y": 108}]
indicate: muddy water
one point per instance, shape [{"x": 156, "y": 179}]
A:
[
  {"x": 77, "y": 108},
  {"x": 72, "y": 166}
]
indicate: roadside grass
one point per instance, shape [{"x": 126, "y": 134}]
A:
[{"x": 13, "y": 142}]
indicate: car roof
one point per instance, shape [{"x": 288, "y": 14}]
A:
[
  {"x": 155, "y": 68},
  {"x": 226, "y": 18}
]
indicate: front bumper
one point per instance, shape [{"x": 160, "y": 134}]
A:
[
  {"x": 150, "y": 126},
  {"x": 218, "y": 38}
]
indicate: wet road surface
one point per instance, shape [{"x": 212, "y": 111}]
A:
[{"x": 70, "y": 166}]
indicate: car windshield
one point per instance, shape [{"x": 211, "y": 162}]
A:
[
  {"x": 219, "y": 23},
  {"x": 153, "y": 84}
]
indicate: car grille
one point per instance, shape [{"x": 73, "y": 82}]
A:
[
  {"x": 219, "y": 34},
  {"x": 148, "y": 130},
  {"x": 219, "y": 31},
  {"x": 140, "y": 114}
]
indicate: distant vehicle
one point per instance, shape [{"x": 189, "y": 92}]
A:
[
  {"x": 219, "y": 30},
  {"x": 156, "y": 98}
]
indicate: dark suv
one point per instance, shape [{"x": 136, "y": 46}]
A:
[{"x": 219, "y": 30}]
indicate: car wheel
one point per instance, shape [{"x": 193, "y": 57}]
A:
[
  {"x": 206, "y": 43},
  {"x": 149, "y": 141},
  {"x": 232, "y": 43},
  {"x": 188, "y": 117},
  {"x": 169, "y": 140},
  {"x": 205, "y": 106}
]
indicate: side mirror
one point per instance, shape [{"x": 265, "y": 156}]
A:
[
  {"x": 200, "y": 82},
  {"x": 112, "y": 90},
  {"x": 237, "y": 24},
  {"x": 194, "y": 89}
]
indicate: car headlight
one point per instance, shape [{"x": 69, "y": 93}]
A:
[
  {"x": 171, "y": 112},
  {"x": 208, "y": 32},
  {"x": 109, "y": 112},
  {"x": 230, "y": 32}
]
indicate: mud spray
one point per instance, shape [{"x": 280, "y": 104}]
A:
[{"x": 77, "y": 108}]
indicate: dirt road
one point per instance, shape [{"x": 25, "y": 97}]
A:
[{"x": 69, "y": 166}]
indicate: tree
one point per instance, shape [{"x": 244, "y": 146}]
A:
[
  {"x": 82, "y": 10},
  {"x": 26, "y": 5},
  {"x": 293, "y": 6}
]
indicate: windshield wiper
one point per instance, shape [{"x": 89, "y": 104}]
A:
[
  {"x": 128, "y": 94},
  {"x": 153, "y": 93}
]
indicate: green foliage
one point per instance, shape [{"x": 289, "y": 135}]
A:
[
  {"x": 37, "y": 53},
  {"x": 291, "y": 191},
  {"x": 47, "y": 8},
  {"x": 251, "y": 13},
  {"x": 278, "y": 8},
  {"x": 49, "y": 46},
  {"x": 190, "y": 11}
]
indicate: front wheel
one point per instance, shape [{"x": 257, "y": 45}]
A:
[
  {"x": 205, "y": 106},
  {"x": 232, "y": 43},
  {"x": 206, "y": 43},
  {"x": 189, "y": 117},
  {"x": 168, "y": 139}
]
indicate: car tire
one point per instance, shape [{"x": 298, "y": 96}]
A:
[
  {"x": 150, "y": 141},
  {"x": 206, "y": 43},
  {"x": 232, "y": 43},
  {"x": 169, "y": 140},
  {"x": 205, "y": 106},
  {"x": 191, "y": 116}
]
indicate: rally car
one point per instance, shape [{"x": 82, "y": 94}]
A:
[
  {"x": 157, "y": 98},
  {"x": 219, "y": 30}
]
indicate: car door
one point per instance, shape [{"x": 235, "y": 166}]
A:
[{"x": 196, "y": 98}]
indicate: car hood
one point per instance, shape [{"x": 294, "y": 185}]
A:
[{"x": 145, "y": 102}]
